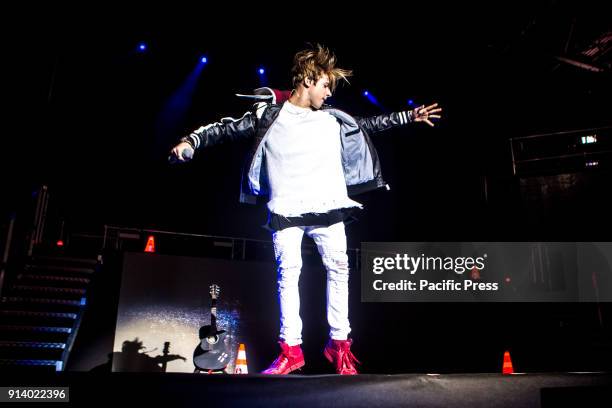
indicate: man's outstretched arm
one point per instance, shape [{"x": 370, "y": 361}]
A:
[
  {"x": 387, "y": 121},
  {"x": 227, "y": 129}
]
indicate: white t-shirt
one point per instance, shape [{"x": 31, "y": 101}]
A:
[{"x": 303, "y": 158}]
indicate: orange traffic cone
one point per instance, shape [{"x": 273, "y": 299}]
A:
[
  {"x": 150, "y": 244},
  {"x": 241, "y": 361},
  {"x": 507, "y": 367}
]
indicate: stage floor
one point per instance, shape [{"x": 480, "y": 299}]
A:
[{"x": 255, "y": 390}]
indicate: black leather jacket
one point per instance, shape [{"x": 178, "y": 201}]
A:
[{"x": 359, "y": 158}]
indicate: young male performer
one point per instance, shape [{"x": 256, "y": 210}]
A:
[{"x": 308, "y": 158}]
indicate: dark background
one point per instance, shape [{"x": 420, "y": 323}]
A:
[
  {"x": 91, "y": 117},
  {"x": 88, "y": 116}
]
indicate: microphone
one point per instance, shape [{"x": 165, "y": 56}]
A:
[{"x": 187, "y": 155}]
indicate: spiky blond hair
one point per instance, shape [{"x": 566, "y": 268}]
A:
[{"x": 315, "y": 61}]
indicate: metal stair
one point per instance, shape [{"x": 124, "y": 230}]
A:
[{"x": 41, "y": 310}]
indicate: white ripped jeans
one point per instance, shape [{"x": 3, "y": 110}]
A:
[{"x": 331, "y": 243}]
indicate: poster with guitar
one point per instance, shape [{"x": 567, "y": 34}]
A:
[{"x": 165, "y": 298}]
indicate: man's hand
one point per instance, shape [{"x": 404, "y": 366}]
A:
[
  {"x": 424, "y": 113},
  {"x": 178, "y": 150}
]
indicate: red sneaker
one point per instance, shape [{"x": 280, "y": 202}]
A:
[
  {"x": 338, "y": 352},
  {"x": 290, "y": 359}
]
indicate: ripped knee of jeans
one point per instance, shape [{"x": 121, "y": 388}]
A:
[
  {"x": 289, "y": 274},
  {"x": 336, "y": 262}
]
